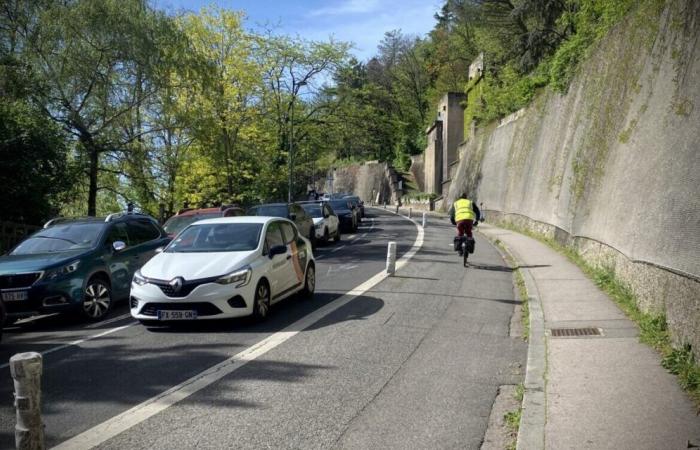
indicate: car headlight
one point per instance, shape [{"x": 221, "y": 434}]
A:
[
  {"x": 239, "y": 277},
  {"x": 139, "y": 279},
  {"x": 61, "y": 271}
]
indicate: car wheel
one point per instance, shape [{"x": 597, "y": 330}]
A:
[
  {"x": 326, "y": 237},
  {"x": 97, "y": 300},
  {"x": 336, "y": 238},
  {"x": 312, "y": 238},
  {"x": 309, "y": 282},
  {"x": 261, "y": 304}
]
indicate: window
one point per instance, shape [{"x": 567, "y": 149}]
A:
[
  {"x": 62, "y": 237},
  {"x": 289, "y": 231},
  {"x": 141, "y": 231},
  {"x": 117, "y": 233},
  {"x": 217, "y": 237},
  {"x": 273, "y": 236},
  {"x": 327, "y": 211}
]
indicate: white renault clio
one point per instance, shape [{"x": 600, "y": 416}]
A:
[{"x": 222, "y": 268}]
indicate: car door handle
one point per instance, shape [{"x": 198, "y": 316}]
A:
[{"x": 289, "y": 257}]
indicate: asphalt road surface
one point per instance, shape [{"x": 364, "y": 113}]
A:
[{"x": 415, "y": 361}]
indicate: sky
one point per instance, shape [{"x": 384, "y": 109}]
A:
[{"x": 362, "y": 22}]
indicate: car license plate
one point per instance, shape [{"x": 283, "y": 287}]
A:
[
  {"x": 177, "y": 315},
  {"x": 14, "y": 296}
]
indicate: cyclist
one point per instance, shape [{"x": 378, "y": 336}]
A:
[{"x": 464, "y": 214}]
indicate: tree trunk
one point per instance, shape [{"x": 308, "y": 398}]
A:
[{"x": 92, "y": 174}]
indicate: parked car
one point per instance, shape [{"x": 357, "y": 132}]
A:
[
  {"x": 291, "y": 211},
  {"x": 184, "y": 217},
  {"x": 357, "y": 201},
  {"x": 326, "y": 222},
  {"x": 3, "y": 316},
  {"x": 346, "y": 215},
  {"x": 83, "y": 265},
  {"x": 223, "y": 268}
]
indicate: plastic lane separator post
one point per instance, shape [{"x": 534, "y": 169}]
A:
[
  {"x": 424, "y": 222},
  {"x": 391, "y": 259}
]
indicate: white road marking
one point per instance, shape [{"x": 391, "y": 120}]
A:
[
  {"x": 80, "y": 341},
  {"x": 112, "y": 320},
  {"x": 141, "y": 412},
  {"x": 34, "y": 318},
  {"x": 337, "y": 248},
  {"x": 352, "y": 236},
  {"x": 342, "y": 268}
]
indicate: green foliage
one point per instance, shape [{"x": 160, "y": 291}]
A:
[
  {"x": 33, "y": 169},
  {"x": 591, "y": 20},
  {"x": 681, "y": 362}
]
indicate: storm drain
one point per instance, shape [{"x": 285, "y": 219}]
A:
[{"x": 573, "y": 332}]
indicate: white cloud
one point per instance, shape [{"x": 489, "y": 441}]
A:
[
  {"x": 347, "y": 7},
  {"x": 366, "y": 31}
]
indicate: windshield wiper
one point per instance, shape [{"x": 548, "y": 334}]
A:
[{"x": 57, "y": 238}]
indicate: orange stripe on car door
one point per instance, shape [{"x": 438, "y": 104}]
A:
[{"x": 295, "y": 261}]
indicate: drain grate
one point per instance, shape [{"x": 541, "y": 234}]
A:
[{"x": 566, "y": 332}]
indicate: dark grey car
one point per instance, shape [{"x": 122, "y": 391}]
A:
[{"x": 291, "y": 211}]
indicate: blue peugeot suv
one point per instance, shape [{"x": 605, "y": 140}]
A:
[{"x": 82, "y": 265}]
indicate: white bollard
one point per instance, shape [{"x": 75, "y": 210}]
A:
[
  {"x": 384, "y": 205},
  {"x": 26, "y": 371},
  {"x": 391, "y": 259},
  {"x": 410, "y": 213},
  {"x": 397, "y": 208},
  {"x": 425, "y": 221}
]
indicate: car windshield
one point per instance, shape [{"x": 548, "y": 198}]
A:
[
  {"x": 217, "y": 237},
  {"x": 178, "y": 223},
  {"x": 339, "y": 204},
  {"x": 61, "y": 238},
  {"x": 269, "y": 210},
  {"x": 314, "y": 210}
]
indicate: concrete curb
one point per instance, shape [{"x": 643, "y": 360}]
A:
[{"x": 534, "y": 414}]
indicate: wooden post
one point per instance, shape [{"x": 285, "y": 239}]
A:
[{"x": 26, "y": 371}]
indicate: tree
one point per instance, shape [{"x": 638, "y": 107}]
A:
[
  {"x": 33, "y": 168},
  {"x": 91, "y": 60},
  {"x": 293, "y": 68}
]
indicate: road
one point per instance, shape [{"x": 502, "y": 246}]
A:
[{"x": 415, "y": 361}]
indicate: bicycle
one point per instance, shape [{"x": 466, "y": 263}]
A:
[{"x": 467, "y": 246}]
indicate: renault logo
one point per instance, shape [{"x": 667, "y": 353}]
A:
[{"x": 176, "y": 284}]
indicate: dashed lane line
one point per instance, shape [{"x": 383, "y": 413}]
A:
[
  {"x": 141, "y": 412},
  {"x": 80, "y": 341}
]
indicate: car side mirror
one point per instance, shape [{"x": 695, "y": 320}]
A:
[
  {"x": 292, "y": 216},
  {"x": 159, "y": 250},
  {"x": 326, "y": 215},
  {"x": 118, "y": 246},
  {"x": 278, "y": 250}
]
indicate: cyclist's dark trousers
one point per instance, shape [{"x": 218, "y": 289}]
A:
[{"x": 465, "y": 227}]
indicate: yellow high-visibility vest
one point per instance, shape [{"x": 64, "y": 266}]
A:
[{"x": 463, "y": 210}]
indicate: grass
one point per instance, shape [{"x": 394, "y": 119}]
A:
[
  {"x": 512, "y": 418},
  {"x": 522, "y": 290},
  {"x": 653, "y": 327}
]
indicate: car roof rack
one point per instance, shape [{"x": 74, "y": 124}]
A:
[
  {"x": 119, "y": 215},
  {"x": 57, "y": 220}
]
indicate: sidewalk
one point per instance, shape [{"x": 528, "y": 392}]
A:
[{"x": 601, "y": 392}]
